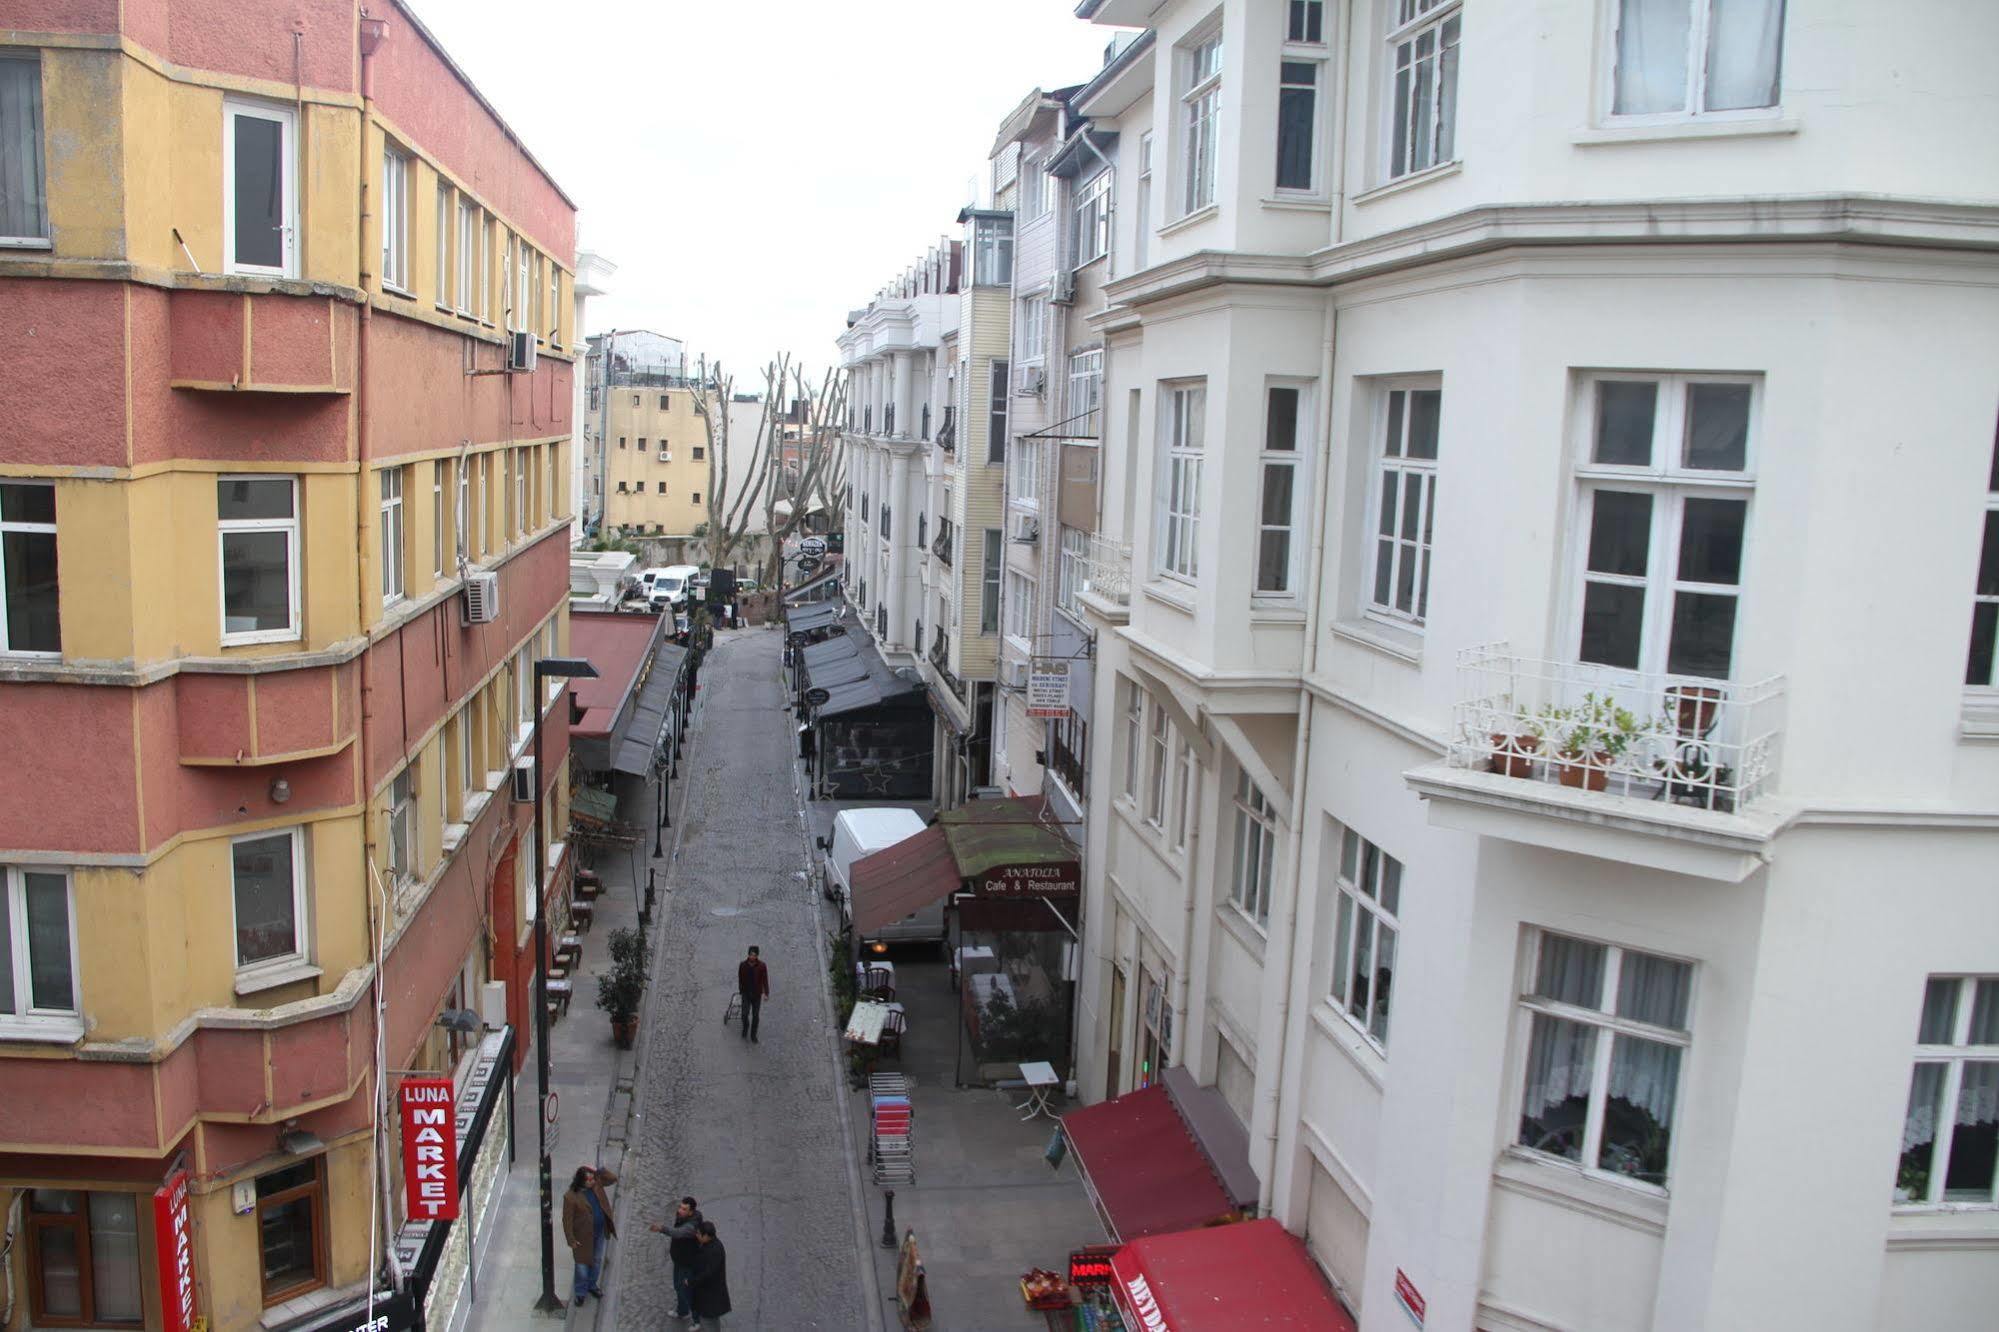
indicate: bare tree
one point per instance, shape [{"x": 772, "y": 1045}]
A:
[
  {"x": 822, "y": 469},
  {"x": 731, "y": 505}
]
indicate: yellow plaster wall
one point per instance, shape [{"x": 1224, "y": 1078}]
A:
[
  {"x": 227, "y": 1254},
  {"x": 679, "y": 430},
  {"x": 81, "y": 133}
]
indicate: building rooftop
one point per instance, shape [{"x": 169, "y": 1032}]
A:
[{"x": 617, "y": 643}]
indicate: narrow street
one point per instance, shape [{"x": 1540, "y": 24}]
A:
[{"x": 751, "y": 1130}]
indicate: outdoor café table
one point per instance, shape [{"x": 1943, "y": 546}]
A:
[
  {"x": 1040, "y": 1079},
  {"x": 864, "y": 1024},
  {"x": 972, "y": 960},
  {"x": 872, "y": 975}
]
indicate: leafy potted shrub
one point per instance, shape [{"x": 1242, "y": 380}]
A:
[
  {"x": 1589, "y": 738},
  {"x": 621, "y": 989},
  {"x": 1513, "y": 750}
]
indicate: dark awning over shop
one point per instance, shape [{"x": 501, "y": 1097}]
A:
[
  {"x": 1145, "y": 1172},
  {"x": 813, "y": 615},
  {"x": 638, "y": 739},
  {"x": 1252, "y": 1277},
  {"x": 902, "y": 879},
  {"x": 819, "y": 585},
  {"x": 1006, "y": 848},
  {"x": 1215, "y": 1127}
]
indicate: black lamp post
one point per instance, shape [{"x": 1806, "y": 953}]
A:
[{"x": 565, "y": 668}]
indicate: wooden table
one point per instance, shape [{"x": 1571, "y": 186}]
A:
[
  {"x": 582, "y": 913},
  {"x": 558, "y": 994}
]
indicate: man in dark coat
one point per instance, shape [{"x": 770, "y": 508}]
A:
[
  {"x": 710, "y": 1286},
  {"x": 753, "y": 984},
  {"x": 586, "y": 1225},
  {"x": 681, "y": 1247}
]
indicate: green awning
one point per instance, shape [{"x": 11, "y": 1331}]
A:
[{"x": 990, "y": 835}]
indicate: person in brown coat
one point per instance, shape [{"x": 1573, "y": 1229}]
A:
[{"x": 586, "y": 1225}]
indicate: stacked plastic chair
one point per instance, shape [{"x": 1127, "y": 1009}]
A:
[{"x": 890, "y": 1144}]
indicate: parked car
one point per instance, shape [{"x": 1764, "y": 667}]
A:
[{"x": 858, "y": 834}]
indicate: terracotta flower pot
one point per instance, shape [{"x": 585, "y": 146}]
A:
[
  {"x": 623, "y": 1032},
  {"x": 1586, "y": 772},
  {"x": 1513, "y": 755}
]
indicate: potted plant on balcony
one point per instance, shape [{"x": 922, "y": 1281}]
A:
[
  {"x": 1514, "y": 748},
  {"x": 1590, "y": 737},
  {"x": 621, "y": 989}
]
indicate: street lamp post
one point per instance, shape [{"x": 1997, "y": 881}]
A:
[{"x": 566, "y": 668}]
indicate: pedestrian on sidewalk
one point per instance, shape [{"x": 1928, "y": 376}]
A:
[
  {"x": 711, "y": 1278},
  {"x": 587, "y": 1226},
  {"x": 753, "y": 984},
  {"x": 682, "y": 1245}
]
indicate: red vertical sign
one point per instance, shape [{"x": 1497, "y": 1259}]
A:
[
  {"x": 430, "y": 1148},
  {"x": 173, "y": 1241}
]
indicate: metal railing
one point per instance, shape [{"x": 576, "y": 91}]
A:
[
  {"x": 1708, "y": 744},
  {"x": 1064, "y": 762},
  {"x": 941, "y": 547},
  {"x": 1107, "y": 570}
]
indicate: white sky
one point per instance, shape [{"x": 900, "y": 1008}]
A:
[{"x": 757, "y": 168}]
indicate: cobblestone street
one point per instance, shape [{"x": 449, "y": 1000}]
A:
[{"x": 752, "y": 1130}]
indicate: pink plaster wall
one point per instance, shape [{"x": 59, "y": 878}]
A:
[
  {"x": 420, "y": 370},
  {"x": 57, "y": 1102},
  {"x": 295, "y": 711},
  {"x": 416, "y": 89},
  {"x": 159, "y": 761},
  {"x": 213, "y": 712},
  {"x": 311, "y": 1060},
  {"x": 291, "y": 340},
  {"x": 80, "y": 792},
  {"x": 253, "y": 38},
  {"x": 231, "y": 1071},
  {"x": 60, "y": 15},
  {"x": 68, "y": 333},
  {"x": 179, "y": 1076},
  {"x": 205, "y": 333}
]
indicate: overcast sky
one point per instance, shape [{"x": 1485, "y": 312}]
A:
[{"x": 755, "y": 170}]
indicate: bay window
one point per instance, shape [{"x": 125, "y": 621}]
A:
[
  {"x": 1607, "y": 1033},
  {"x": 992, "y": 251},
  {"x": 29, "y": 590},
  {"x": 37, "y": 950},
  {"x": 1405, "y": 500},
  {"x": 1695, "y": 57},
  {"x": 1950, "y": 1137},
  {"x": 1664, "y": 513},
  {"x": 1423, "y": 106},
  {"x": 1200, "y": 110},
  {"x": 257, "y": 530},
  {"x": 1092, "y": 219}
]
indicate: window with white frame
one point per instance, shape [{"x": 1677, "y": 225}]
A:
[
  {"x": 391, "y": 534},
  {"x": 524, "y": 289},
  {"x": 257, "y": 531},
  {"x": 470, "y": 778},
  {"x": 481, "y": 271},
  {"x": 1255, "y": 851},
  {"x": 1186, "y": 791},
  {"x": 1405, "y": 498},
  {"x": 24, "y": 211},
  {"x": 1666, "y": 480},
  {"x": 1607, "y": 1035},
  {"x": 437, "y": 473},
  {"x": 1950, "y": 1137},
  {"x": 444, "y": 270},
  {"x": 1306, "y": 22},
  {"x": 553, "y": 320},
  {"x": 1297, "y": 123},
  {"x": 1033, "y": 189},
  {"x": 1024, "y": 472},
  {"x": 1979, "y": 665},
  {"x": 29, "y": 589},
  {"x": 468, "y": 249},
  {"x": 1687, "y": 58},
  {"x": 996, "y": 411},
  {"x": 37, "y": 946},
  {"x": 1072, "y": 569},
  {"x": 1133, "y": 724},
  {"x": 1366, "y": 929},
  {"x": 395, "y": 219},
  {"x": 1086, "y": 390},
  {"x": 524, "y": 702},
  {"x": 259, "y": 175},
  {"x": 1183, "y": 428},
  {"x": 1423, "y": 105},
  {"x": 268, "y": 875},
  {"x": 993, "y": 550},
  {"x": 403, "y": 855},
  {"x": 1141, "y": 207},
  {"x": 1200, "y": 117},
  {"x": 992, "y": 251},
  {"x": 1032, "y": 339},
  {"x": 1158, "y": 758},
  {"x": 1020, "y": 591},
  {"x": 1091, "y": 211},
  {"x": 523, "y": 513},
  {"x": 1286, "y": 417}
]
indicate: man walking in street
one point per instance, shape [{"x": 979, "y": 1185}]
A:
[
  {"x": 753, "y": 984},
  {"x": 586, "y": 1226},
  {"x": 711, "y": 1278},
  {"x": 682, "y": 1245}
]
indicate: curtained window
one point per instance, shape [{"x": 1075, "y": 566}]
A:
[
  {"x": 1365, "y": 935},
  {"x": 1608, "y": 1029},
  {"x": 23, "y": 201},
  {"x": 1694, "y": 57},
  {"x": 1950, "y": 1137}
]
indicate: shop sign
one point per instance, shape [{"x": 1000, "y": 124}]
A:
[
  {"x": 173, "y": 1241},
  {"x": 1144, "y": 1307},
  {"x": 1406, "y": 1294},
  {"x": 394, "y": 1312},
  {"x": 1047, "y": 688},
  {"x": 430, "y": 1148},
  {"x": 1090, "y": 1267},
  {"x": 1051, "y": 878},
  {"x": 818, "y": 698}
]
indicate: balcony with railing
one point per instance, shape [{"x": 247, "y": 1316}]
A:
[
  {"x": 1674, "y": 772},
  {"x": 1106, "y": 566},
  {"x": 947, "y": 431},
  {"x": 941, "y": 547}
]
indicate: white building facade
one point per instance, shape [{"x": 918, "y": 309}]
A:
[
  {"x": 586, "y": 460},
  {"x": 1548, "y": 438}
]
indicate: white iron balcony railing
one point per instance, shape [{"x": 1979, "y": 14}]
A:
[
  {"x": 1107, "y": 570},
  {"x": 1708, "y": 744}
]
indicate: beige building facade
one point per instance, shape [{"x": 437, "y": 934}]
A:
[{"x": 655, "y": 461}]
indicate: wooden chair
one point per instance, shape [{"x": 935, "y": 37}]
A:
[{"x": 891, "y": 1042}]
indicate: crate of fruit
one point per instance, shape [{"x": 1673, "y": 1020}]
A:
[{"x": 1043, "y": 1289}]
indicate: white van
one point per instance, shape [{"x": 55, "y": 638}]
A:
[
  {"x": 669, "y": 586},
  {"x": 858, "y": 834}
]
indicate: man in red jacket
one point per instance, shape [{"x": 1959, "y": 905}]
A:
[{"x": 753, "y": 984}]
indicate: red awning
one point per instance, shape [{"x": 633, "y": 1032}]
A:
[
  {"x": 901, "y": 879},
  {"x": 1145, "y": 1171},
  {"x": 1251, "y": 1277}
]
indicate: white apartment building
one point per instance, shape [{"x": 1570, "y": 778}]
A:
[
  {"x": 586, "y": 461},
  {"x": 1548, "y": 778}
]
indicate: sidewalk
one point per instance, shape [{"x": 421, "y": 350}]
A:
[{"x": 592, "y": 1082}]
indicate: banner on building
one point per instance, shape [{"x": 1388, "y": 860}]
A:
[
  {"x": 430, "y": 1148},
  {"x": 1047, "y": 688},
  {"x": 173, "y": 1241}
]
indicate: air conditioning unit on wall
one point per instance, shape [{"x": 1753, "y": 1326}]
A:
[
  {"x": 665, "y": 455},
  {"x": 1027, "y": 532},
  {"x": 1029, "y": 380},
  {"x": 521, "y": 782},
  {"x": 493, "y": 1004},
  {"x": 1062, "y": 289},
  {"x": 1012, "y": 673},
  {"x": 480, "y": 601}
]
